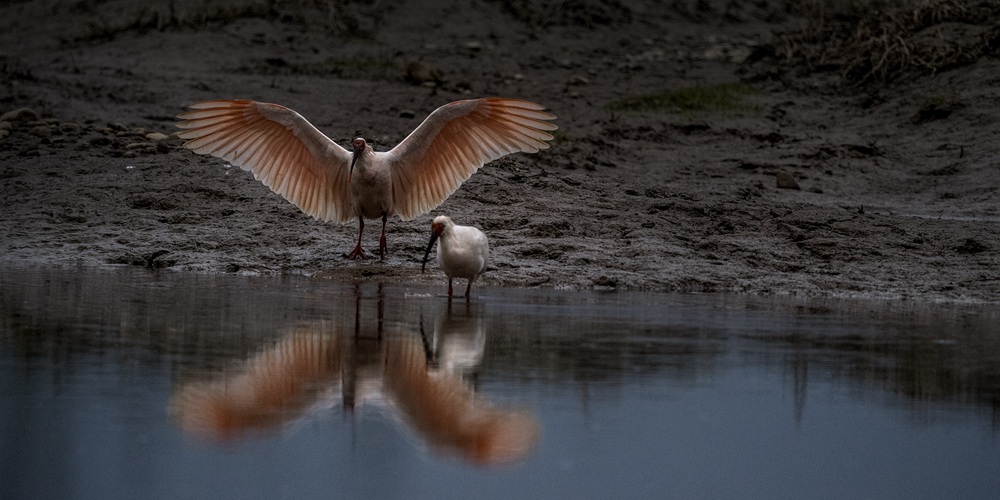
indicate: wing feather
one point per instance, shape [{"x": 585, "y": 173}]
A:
[
  {"x": 455, "y": 141},
  {"x": 282, "y": 149}
]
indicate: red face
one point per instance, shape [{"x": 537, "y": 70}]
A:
[
  {"x": 437, "y": 228},
  {"x": 359, "y": 147}
]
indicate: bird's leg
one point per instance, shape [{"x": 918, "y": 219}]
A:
[
  {"x": 449, "y": 288},
  {"x": 468, "y": 290},
  {"x": 358, "y": 252},
  {"x": 381, "y": 241}
]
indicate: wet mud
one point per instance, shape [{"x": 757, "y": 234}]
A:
[{"x": 703, "y": 146}]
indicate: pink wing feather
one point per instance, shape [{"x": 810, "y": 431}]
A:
[
  {"x": 282, "y": 149},
  {"x": 455, "y": 141}
]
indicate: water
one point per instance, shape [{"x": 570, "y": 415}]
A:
[{"x": 128, "y": 383}]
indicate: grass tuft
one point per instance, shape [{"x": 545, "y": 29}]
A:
[{"x": 701, "y": 98}]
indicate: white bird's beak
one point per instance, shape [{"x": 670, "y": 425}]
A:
[{"x": 430, "y": 244}]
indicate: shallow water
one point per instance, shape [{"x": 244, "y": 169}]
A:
[{"x": 140, "y": 384}]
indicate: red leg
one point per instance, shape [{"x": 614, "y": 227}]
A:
[
  {"x": 358, "y": 253},
  {"x": 381, "y": 241}
]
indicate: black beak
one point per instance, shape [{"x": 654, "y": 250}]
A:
[
  {"x": 354, "y": 159},
  {"x": 434, "y": 237}
]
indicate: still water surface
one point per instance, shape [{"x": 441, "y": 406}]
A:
[{"x": 124, "y": 383}]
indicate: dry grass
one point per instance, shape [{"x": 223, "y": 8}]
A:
[
  {"x": 700, "y": 98},
  {"x": 875, "y": 43}
]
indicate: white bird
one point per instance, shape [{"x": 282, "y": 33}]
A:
[
  {"x": 290, "y": 156},
  {"x": 463, "y": 252}
]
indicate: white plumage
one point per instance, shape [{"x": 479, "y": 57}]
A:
[
  {"x": 462, "y": 253},
  {"x": 330, "y": 183}
]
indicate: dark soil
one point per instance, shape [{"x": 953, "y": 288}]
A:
[{"x": 821, "y": 176}]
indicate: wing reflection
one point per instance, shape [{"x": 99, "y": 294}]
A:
[
  {"x": 415, "y": 378},
  {"x": 273, "y": 387}
]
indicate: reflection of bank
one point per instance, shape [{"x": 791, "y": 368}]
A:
[{"x": 416, "y": 377}]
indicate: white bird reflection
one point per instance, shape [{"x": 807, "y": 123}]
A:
[{"x": 416, "y": 377}]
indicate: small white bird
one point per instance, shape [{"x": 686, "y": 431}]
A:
[
  {"x": 463, "y": 252},
  {"x": 290, "y": 156}
]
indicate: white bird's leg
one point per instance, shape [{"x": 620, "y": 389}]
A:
[
  {"x": 381, "y": 241},
  {"x": 358, "y": 252}
]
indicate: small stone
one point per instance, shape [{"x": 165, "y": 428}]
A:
[
  {"x": 473, "y": 45},
  {"x": 156, "y": 136},
  {"x": 19, "y": 115},
  {"x": 407, "y": 113},
  {"x": 419, "y": 73},
  {"x": 69, "y": 127},
  {"x": 786, "y": 181},
  {"x": 41, "y": 131},
  {"x": 117, "y": 127},
  {"x": 137, "y": 145}
]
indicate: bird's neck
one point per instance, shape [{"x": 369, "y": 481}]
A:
[{"x": 364, "y": 160}]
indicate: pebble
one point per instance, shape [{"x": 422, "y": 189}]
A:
[
  {"x": 156, "y": 136},
  {"x": 19, "y": 115},
  {"x": 786, "y": 181},
  {"x": 41, "y": 131},
  {"x": 69, "y": 127},
  {"x": 422, "y": 74},
  {"x": 407, "y": 113},
  {"x": 138, "y": 145}
]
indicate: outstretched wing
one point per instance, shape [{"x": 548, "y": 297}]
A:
[
  {"x": 281, "y": 148},
  {"x": 455, "y": 141}
]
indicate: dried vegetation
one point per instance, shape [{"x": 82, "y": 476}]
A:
[{"x": 874, "y": 43}]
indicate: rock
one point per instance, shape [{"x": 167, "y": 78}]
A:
[
  {"x": 419, "y": 73},
  {"x": 69, "y": 127},
  {"x": 156, "y": 136},
  {"x": 6, "y": 126},
  {"x": 786, "y": 181},
  {"x": 138, "y": 145},
  {"x": 407, "y": 113},
  {"x": 41, "y": 131},
  {"x": 19, "y": 115}
]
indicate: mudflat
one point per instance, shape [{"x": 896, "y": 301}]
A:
[{"x": 749, "y": 147}]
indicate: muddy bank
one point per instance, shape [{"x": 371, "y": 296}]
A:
[{"x": 793, "y": 185}]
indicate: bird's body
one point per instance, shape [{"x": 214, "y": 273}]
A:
[
  {"x": 463, "y": 251},
  {"x": 329, "y": 182}
]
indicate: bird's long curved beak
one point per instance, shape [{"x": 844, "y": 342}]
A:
[
  {"x": 430, "y": 244},
  {"x": 354, "y": 159}
]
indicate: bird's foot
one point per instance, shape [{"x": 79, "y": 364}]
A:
[{"x": 357, "y": 253}]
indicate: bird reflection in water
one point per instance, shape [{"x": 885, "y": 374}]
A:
[{"x": 417, "y": 377}]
